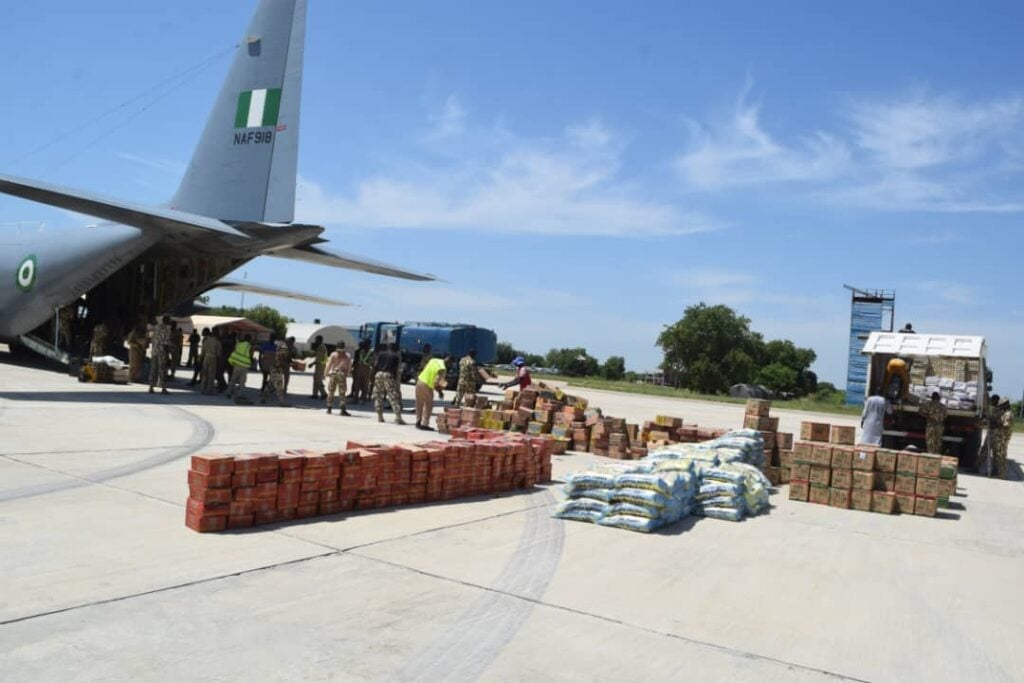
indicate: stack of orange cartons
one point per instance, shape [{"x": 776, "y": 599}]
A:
[{"x": 239, "y": 491}]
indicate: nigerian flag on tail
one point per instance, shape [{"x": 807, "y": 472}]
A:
[{"x": 258, "y": 108}]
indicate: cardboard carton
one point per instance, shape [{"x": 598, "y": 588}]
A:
[
  {"x": 815, "y": 431},
  {"x": 786, "y": 458},
  {"x": 947, "y": 488},
  {"x": 821, "y": 455},
  {"x": 906, "y": 483},
  {"x": 820, "y": 475},
  {"x": 784, "y": 440},
  {"x": 905, "y": 503},
  {"x": 885, "y": 481},
  {"x": 863, "y": 480},
  {"x": 800, "y": 472},
  {"x": 864, "y": 458},
  {"x": 799, "y": 490},
  {"x": 839, "y": 498},
  {"x": 926, "y": 507},
  {"x": 818, "y": 494},
  {"x": 842, "y": 457},
  {"x": 906, "y": 463},
  {"x": 785, "y": 474},
  {"x": 758, "y": 406},
  {"x": 885, "y": 460},
  {"x": 842, "y": 435},
  {"x": 929, "y": 465},
  {"x": 773, "y": 475},
  {"x": 841, "y": 478},
  {"x": 927, "y": 487},
  {"x": 883, "y": 502},
  {"x": 802, "y": 452},
  {"x": 860, "y": 499}
]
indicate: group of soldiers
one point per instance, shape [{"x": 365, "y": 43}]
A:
[
  {"x": 999, "y": 422},
  {"x": 222, "y": 360}
]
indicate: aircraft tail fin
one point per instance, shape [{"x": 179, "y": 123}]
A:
[{"x": 244, "y": 166}]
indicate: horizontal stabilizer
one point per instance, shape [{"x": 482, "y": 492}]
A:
[
  {"x": 168, "y": 222},
  {"x": 315, "y": 254},
  {"x": 245, "y": 286}
]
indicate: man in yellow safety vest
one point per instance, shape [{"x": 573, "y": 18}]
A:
[
  {"x": 431, "y": 379},
  {"x": 240, "y": 361}
]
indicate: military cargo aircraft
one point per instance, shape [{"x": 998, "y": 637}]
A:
[{"x": 235, "y": 202}]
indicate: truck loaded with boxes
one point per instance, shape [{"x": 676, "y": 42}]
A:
[{"x": 950, "y": 365}]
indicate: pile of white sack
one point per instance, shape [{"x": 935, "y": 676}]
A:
[{"x": 717, "y": 479}]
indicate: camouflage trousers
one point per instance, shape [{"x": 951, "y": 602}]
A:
[
  {"x": 933, "y": 438},
  {"x": 464, "y": 388},
  {"x": 1000, "y": 446},
  {"x": 275, "y": 385},
  {"x": 385, "y": 386},
  {"x": 336, "y": 385}
]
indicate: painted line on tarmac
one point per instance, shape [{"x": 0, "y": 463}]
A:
[
  {"x": 476, "y": 639},
  {"x": 202, "y": 434}
]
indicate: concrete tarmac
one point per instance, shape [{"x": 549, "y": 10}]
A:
[{"x": 102, "y": 581}]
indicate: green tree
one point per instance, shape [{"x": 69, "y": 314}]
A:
[
  {"x": 573, "y": 362},
  {"x": 264, "y": 315},
  {"x": 778, "y": 377},
  {"x": 533, "y": 359},
  {"x": 505, "y": 353},
  {"x": 710, "y": 348},
  {"x": 614, "y": 368}
]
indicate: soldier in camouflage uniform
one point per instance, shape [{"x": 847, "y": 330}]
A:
[
  {"x": 1000, "y": 429},
  {"x": 934, "y": 414},
  {"x": 385, "y": 383},
  {"x": 276, "y": 383},
  {"x": 158, "y": 359},
  {"x": 467, "y": 377},
  {"x": 337, "y": 369}
]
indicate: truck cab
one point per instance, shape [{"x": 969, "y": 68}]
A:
[{"x": 952, "y": 365}]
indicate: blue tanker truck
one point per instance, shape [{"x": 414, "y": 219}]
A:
[{"x": 444, "y": 339}]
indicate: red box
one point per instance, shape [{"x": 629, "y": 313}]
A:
[
  {"x": 240, "y": 521},
  {"x": 243, "y": 479},
  {"x": 328, "y": 496},
  {"x": 245, "y": 493},
  {"x": 290, "y": 476},
  {"x": 266, "y": 491},
  {"x": 304, "y": 511},
  {"x": 309, "y": 498},
  {"x": 205, "y": 523},
  {"x": 199, "y": 507},
  {"x": 290, "y": 461},
  {"x": 247, "y": 463},
  {"x": 239, "y": 508},
  {"x": 201, "y": 480},
  {"x": 266, "y": 517},
  {"x": 266, "y": 476},
  {"x": 285, "y": 514},
  {"x": 213, "y": 464},
  {"x": 329, "y": 508},
  {"x": 210, "y": 495}
]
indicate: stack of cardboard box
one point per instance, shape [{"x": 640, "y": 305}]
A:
[
  {"x": 778, "y": 446},
  {"x": 830, "y": 470},
  {"x": 237, "y": 491}
]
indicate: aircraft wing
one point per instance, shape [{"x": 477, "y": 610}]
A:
[
  {"x": 245, "y": 286},
  {"x": 315, "y": 254},
  {"x": 170, "y": 223}
]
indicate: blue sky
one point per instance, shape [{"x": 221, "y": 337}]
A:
[{"x": 579, "y": 174}]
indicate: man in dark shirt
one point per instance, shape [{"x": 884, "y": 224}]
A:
[{"x": 385, "y": 382}]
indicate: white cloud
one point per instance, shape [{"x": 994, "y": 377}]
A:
[
  {"x": 912, "y": 153},
  {"x": 706, "y": 278},
  {"x": 740, "y": 152},
  {"x": 732, "y": 288},
  {"x": 450, "y": 121},
  {"x": 569, "y": 185}
]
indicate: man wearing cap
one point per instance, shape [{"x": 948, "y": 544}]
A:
[
  {"x": 431, "y": 379},
  {"x": 522, "y": 377}
]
